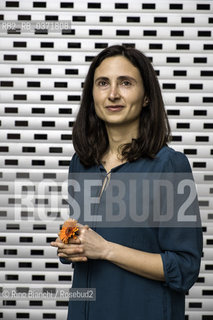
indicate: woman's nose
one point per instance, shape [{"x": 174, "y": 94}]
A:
[{"x": 114, "y": 93}]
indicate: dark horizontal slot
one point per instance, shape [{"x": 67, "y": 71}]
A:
[
  {"x": 195, "y": 305},
  {"x": 200, "y": 280},
  {"x": 106, "y": 19},
  {"x": 38, "y": 278},
  {"x": 173, "y": 60},
  {"x": 8, "y": 252},
  {"x": 148, "y": 6},
  {"x": 10, "y": 57},
  {"x": 210, "y": 20},
  {"x": 133, "y": 19},
  {"x": 3, "y": 188},
  {"x": 200, "y": 60},
  {"x": 200, "y": 113},
  {"x": 39, "y": 4},
  {"x": 151, "y": 33},
  {"x": 121, "y": 5},
  {"x": 183, "y": 125},
  {"x": 38, "y": 110},
  {"x": 48, "y": 123},
  {"x": 14, "y": 31},
  {"x": 157, "y": 72},
  {"x": 41, "y": 31},
  {"x": 182, "y": 46},
  {"x": 66, "y": 5},
  {"x": 208, "y": 47},
  {"x": 21, "y": 123},
  {"x": 22, "y": 175},
  {"x": 37, "y": 58},
  {"x": 44, "y": 71},
  {"x": 49, "y": 316},
  {"x": 11, "y": 162},
  {"x": 66, "y": 137},
  {"x": 78, "y": 18},
  {"x": 14, "y": 201},
  {"x": 65, "y": 111},
  {"x": 187, "y": 20},
  {"x": 51, "y": 18},
  {"x": 73, "y": 98},
  {"x": 40, "y": 226},
  {"x": 128, "y": 45},
  {"x": 155, "y": 46},
  {"x": 50, "y": 239},
  {"x": 75, "y": 45},
  {"x": 25, "y": 17},
  {"x": 206, "y": 73},
  {"x": 208, "y": 126},
  {"x": 175, "y": 6},
  {"x": 28, "y": 188},
  {"x": 94, "y": 5},
  {"x": 177, "y": 33},
  {"x": 203, "y": 6},
  {"x": 207, "y": 292},
  {"x": 160, "y": 19},
  {"x": 64, "y": 58},
  {"x": 182, "y": 99},
  {"x": 22, "y": 315},
  {"x": 95, "y": 32},
  {"x": 10, "y": 110},
  {"x": 38, "y": 162},
  {"x": 6, "y": 83},
  {"x": 36, "y": 252},
  {"x": 201, "y": 139},
  {"x": 179, "y": 73},
  {"x": 51, "y": 265},
  {"x": 35, "y": 303},
  {"x": 122, "y": 32},
  {"x": 17, "y": 70},
  {"x": 190, "y": 151},
  {"x": 49, "y": 176},
  {"x": 61, "y": 303},
  {"x": 19, "y": 97},
  {"x": 19, "y": 44},
  {"x": 55, "y": 150},
  {"x": 196, "y": 86},
  {"x": 173, "y": 112},
  {"x": 26, "y": 239},
  {"x": 207, "y": 99},
  {"x": 1, "y": 17},
  {"x": 40, "y": 136},
  {"x": 63, "y": 163},
  {"x": 13, "y": 136},
  {"x": 9, "y": 303},
  {"x": 33, "y": 84},
  {"x": 209, "y": 242},
  {"x": 89, "y": 58},
  {"x": 2, "y": 265},
  {"x": 12, "y": 4},
  {"x": 47, "y": 45},
  {"x": 68, "y": 32},
  {"x": 47, "y": 97},
  {"x": 169, "y": 85},
  {"x": 25, "y": 264},
  {"x": 71, "y": 71},
  {"x": 101, "y": 45},
  {"x": 55, "y": 189},
  {"x": 71, "y": 123},
  {"x": 176, "y": 138},
  {"x": 60, "y": 85},
  {"x": 11, "y": 277},
  {"x": 54, "y": 215},
  {"x": 3, "y": 213},
  {"x": 64, "y": 278},
  {"x": 204, "y": 33},
  {"x": 3, "y": 239}
]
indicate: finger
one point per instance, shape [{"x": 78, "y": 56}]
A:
[
  {"x": 77, "y": 259},
  {"x": 59, "y": 244},
  {"x": 71, "y": 250},
  {"x": 74, "y": 241}
]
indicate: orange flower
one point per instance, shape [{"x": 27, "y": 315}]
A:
[{"x": 68, "y": 230}]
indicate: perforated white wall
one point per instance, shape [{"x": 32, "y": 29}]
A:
[{"x": 42, "y": 72}]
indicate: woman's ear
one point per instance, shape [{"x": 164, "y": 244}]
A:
[{"x": 145, "y": 101}]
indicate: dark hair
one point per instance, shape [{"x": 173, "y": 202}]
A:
[{"x": 90, "y": 138}]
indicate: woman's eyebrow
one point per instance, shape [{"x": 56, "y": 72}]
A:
[{"x": 120, "y": 78}]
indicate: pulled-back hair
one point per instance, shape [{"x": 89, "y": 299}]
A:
[{"x": 90, "y": 138}]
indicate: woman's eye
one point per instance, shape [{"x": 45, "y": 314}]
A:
[
  {"x": 126, "y": 83},
  {"x": 102, "y": 83}
]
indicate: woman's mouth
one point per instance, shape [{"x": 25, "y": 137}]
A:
[{"x": 115, "y": 108}]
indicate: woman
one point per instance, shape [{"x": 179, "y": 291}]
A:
[{"x": 122, "y": 127}]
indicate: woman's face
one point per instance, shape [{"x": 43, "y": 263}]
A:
[{"x": 118, "y": 91}]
